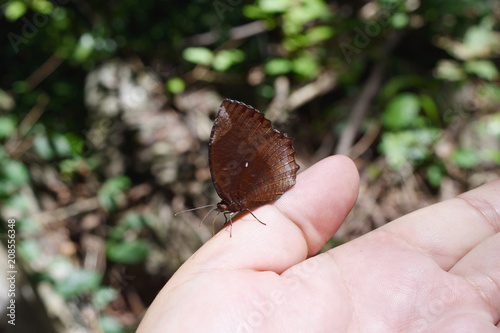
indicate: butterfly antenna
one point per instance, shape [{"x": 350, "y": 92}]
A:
[
  {"x": 248, "y": 210},
  {"x": 204, "y": 217},
  {"x": 190, "y": 210}
]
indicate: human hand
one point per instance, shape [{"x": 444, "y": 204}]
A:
[{"x": 434, "y": 270}]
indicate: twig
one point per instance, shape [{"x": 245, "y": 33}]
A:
[
  {"x": 241, "y": 32},
  {"x": 15, "y": 146},
  {"x": 68, "y": 211},
  {"x": 43, "y": 71},
  {"x": 277, "y": 108},
  {"x": 366, "y": 141},
  {"x": 360, "y": 108},
  {"x": 369, "y": 90},
  {"x": 326, "y": 82}
]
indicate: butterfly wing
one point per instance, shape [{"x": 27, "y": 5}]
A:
[{"x": 251, "y": 163}]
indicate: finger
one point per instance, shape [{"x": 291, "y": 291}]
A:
[
  {"x": 448, "y": 230},
  {"x": 481, "y": 269},
  {"x": 297, "y": 225}
]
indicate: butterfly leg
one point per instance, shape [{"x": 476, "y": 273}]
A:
[
  {"x": 213, "y": 223},
  {"x": 230, "y": 222},
  {"x": 248, "y": 210}
]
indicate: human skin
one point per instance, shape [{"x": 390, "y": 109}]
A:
[{"x": 434, "y": 270}]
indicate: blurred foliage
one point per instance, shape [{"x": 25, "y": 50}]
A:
[
  {"x": 69, "y": 280},
  {"x": 124, "y": 243},
  {"x": 443, "y": 49},
  {"x": 111, "y": 193}
]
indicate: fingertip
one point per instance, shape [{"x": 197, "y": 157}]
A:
[{"x": 322, "y": 198}]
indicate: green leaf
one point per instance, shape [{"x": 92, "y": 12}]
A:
[
  {"x": 430, "y": 109},
  {"x": 150, "y": 220},
  {"x": 14, "y": 10},
  {"x": 435, "y": 175},
  {"x": 20, "y": 87},
  {"x": 132, "y": 220},
  {"x": 295, "y": 42},
  {"x": 29, "y": 226},
  {"x": 492, "y": 155},
  {"x": 401, "y": 112},
  {"x": 407, "y": 147},
  {"x": 59, "y": 268},
  {"x": 318, "y": 34},
  {"x": 465, "y": 158},
  {"x": 7, "y": 126},
  {"x": 479, "y": 37},
  {"x": 103, "y": 296},
  {"x": 402, "y": 83},
  {"x": 449, "y": 70},
  {"x": 42, "y": 147},
  {"x": 265, "y": 90},
  {"x": 110, "y": 324},
  {"x": 43, "y": 6},
  {"x": 55, "y": 146},
  {"x": 20, "y": 201},
  {"x": 374, "y": 171},
  {"x": 176, "y": 85},
  {"x": 111, "y": 191},
  {"x": 70, "y": 166},
  {"x": 399, "y": 20},
  {"x": 296, "y": 16},
  {"x": 84, "y": 48},
  {"x": 226, "y": 58},
  {"x": 484, "y": 69},
  {"x": 29, "y": 249},
  {"x": 15, "y": 172},
  {"x": 306, "y": 66},
  {"x": 490, "y": 92},
  {"x": 492, "y": 126},
  {"x": 274, "y": 6},
  {"x": 117, "y": 232},
  {"x": 116, "y": 184},
  {"x": 278, "y": 66},
  {"x": 131, "y": 252},
  {"x": 61, "y": 145},
  {"x": 75, "y": 142},
  {"x": 253, "y": 12},
  {"x": 198, "y": 55},
  {"x": 78, "y": 281}
]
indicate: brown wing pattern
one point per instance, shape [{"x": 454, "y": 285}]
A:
[
  {"x": 279, "y": 176},
  {"x": 251, "y": 163},
  {"x": 227, "y": 142}
]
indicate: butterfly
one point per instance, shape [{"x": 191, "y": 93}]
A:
[{"x": 251, "y": 163}]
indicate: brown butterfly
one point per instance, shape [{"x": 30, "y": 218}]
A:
[{"x": 251, "y": 163}]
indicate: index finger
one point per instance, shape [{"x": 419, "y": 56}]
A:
[{"x": 448, "y": 230}]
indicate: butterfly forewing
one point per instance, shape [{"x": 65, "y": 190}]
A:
[{"x": 251, "y": 163}]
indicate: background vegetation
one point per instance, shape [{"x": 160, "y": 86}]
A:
[{"x": 106, "y": 110}]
